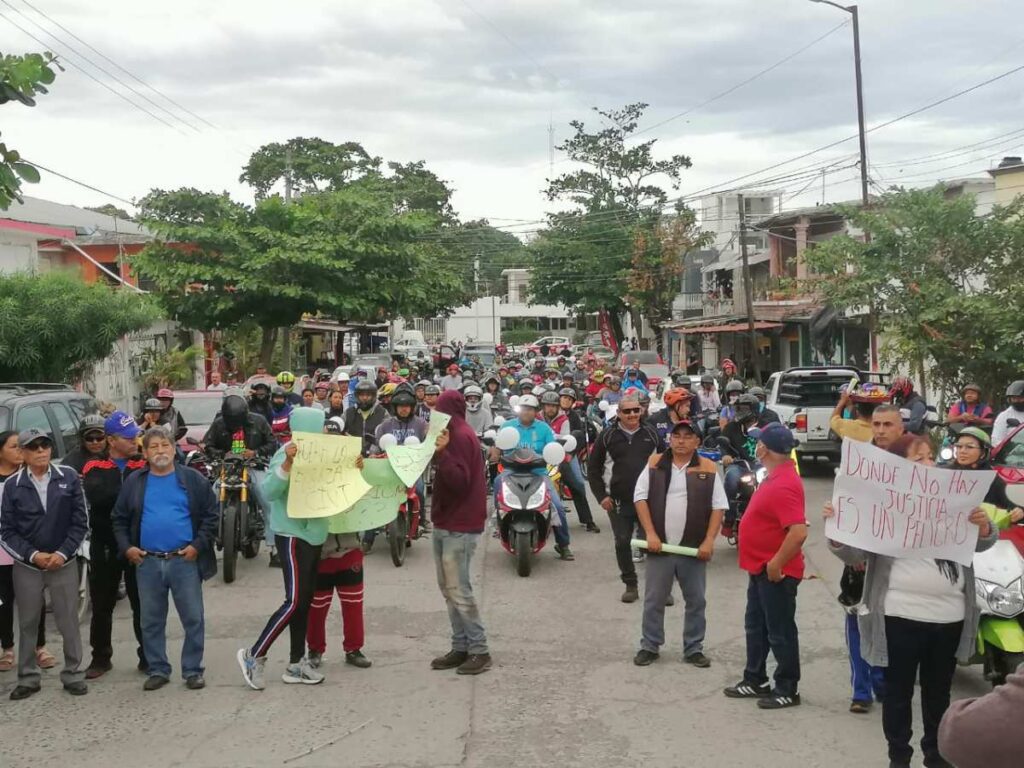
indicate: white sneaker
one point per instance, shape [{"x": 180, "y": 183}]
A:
[
  {"x": 252, "y": 669},
  {"x": 302, "y": 673},
  {"x": 638, "y": 555}
]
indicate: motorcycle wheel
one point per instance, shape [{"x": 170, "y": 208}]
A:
[
  {"x": 251, "y": 537},
  {"x": 396, "y": 539},
  {"x": 83, "y": 589},
  {"x": 524, "y": 553},
  {"x": 229, "y": 533}
]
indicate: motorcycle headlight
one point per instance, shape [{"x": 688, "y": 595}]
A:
[
  {"x": 761, "y": 474},
  {"x": 510, "y": 500},
  {"x": 536, "y": 498},
  {"x": 946, "y": 454},
  {"x": 1002, "y": 601},
  {"x": 747, "y": 479}
]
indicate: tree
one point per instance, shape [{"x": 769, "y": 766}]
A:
[
  {"x": 309, "y": 165},
  {"x": 21, "y": 79},
  {"x": 496, "y": 250},
  {"x": 945, "y": 286},
  {"x": 111, "y": 210},
  {"x": 54, "y": 326},
  {"x": 609, "y": 242}
]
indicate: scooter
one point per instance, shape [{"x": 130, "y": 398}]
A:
[{"x": 523, "y": 506}]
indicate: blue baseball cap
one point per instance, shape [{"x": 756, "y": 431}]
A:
[
  {"x": 120, "y": 424},
  {"x": 776, "y": 437}
]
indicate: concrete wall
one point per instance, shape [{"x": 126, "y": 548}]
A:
[{"x": 18, "y": 252}]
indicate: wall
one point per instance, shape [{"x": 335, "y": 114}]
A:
[{"x": 18, "y": 252}]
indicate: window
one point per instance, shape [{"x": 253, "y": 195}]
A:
[
  {"x": 82, "y": 408},
  {"x": 33, "y": 417},
  {"x": 67, "y": 425}
]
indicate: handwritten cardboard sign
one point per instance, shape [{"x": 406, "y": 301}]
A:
[
  {"x": 409, "y": 461},
  {"x": 324, "y": 478},
  {"x": 380, "y": 504},
  {"x": 891, "y": 506}
]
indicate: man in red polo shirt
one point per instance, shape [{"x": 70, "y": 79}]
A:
[{"x": 772, "y": 532}]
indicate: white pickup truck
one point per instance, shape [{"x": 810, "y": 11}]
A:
[{"x": 804, "y": 398}]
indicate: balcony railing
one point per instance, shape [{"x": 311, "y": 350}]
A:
[{"x": 714, "y": 307}]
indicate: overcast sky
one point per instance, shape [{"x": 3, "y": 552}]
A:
[{"x": 470, "y": 87}]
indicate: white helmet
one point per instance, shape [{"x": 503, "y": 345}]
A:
[
  {"x": 473, "y": 391},
  {"x": 529, "y": 401},
  {"x": 342, "y": 376}
]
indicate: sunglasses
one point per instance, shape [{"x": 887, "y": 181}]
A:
[
  {"x": 94, "y": 438},
  {"x": 38, "y": 445},
  {"x": 627, "y": 411}
]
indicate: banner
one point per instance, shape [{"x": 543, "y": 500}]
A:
[
  {"x": 380, "y": 504},
  {"x": 410, "y": 461},
  {"x": 604, "y": 324},
  {"x": 324, "y": 478},
  {"x": 891, "y": 506}
]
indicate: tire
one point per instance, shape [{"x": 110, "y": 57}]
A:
[
  {"x": 252, "y": 541},
  {"x": 396, "y": 538},
  {"x": 228, "y": 522},
  {"x": 83, "y": 589},
  {"x": 524, "y": 553}
]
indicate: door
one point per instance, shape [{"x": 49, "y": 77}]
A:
[{"x": 67, "y": 426}]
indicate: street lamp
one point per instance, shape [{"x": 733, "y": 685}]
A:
[{"x": 852, "y": 10}]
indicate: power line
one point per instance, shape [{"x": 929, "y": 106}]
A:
[{"x": 80, "y": 183}]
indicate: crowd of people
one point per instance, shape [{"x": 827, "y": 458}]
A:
[{"x": 152, "y": 523}]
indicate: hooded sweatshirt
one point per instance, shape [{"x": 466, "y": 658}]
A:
[
  {"x": 460, "y": 486},
  {"x": 277, "y": 483}
]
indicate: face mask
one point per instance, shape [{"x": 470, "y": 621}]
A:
[
  {"x": 733, "y": 398},
  {"x": 1019, "y": 407}
]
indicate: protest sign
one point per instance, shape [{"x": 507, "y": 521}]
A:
[
  {"x": 891, "y": 506},
  {"x": 380, "y": 504},
  {"x": 409, "y": 461},
  {"x": 324, "y": 478}
]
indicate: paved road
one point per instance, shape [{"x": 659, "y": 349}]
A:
[{"x": 563, "y": 690}]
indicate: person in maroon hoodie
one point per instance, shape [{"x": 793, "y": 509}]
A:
[{"x": 459, "y": 511}]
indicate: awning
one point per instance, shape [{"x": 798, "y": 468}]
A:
[
  {"x": 759, "y": 325},
  {"x": 735, "y": 261}
]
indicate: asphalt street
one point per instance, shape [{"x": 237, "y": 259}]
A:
[{"x": 563, "y": 690}]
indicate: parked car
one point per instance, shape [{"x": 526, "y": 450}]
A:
[
  {"x": 557, "y": 345},
  {"x": 604, "y": 354},
  {"x": 56, "y": 409},
  {"x": 651, "y": 364},
  {"x": 198, "y": 407}
]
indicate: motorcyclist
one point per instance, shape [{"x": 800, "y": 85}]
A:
[
  {"x": 151, "y": 413},
  {"x": 259, "y": 399},
  {"x": 492, "y": 386},
  {"x": 765, "y": 415},
  {"x": 335, "y": 404},
  {"x": 552, "y": 375},
  {"x": 678, "y": 402},
  {"x": 1015, "y": 410},
  {"x": 972, "y": 450},
  {"x": 593, "y": 389},
  {"x": 385, "y": 393},
  {"x": 363, "y": 418},
  {"x": 478, "y": 417},
  {"x": 430, "y": 396},
  {"x": 342, "y": 381},
  {"x": 321, "y": 392},
  {"x": 733, "y": 391},
  {"x": 634, "y": 377},
  {"x": 525, "y": 386},
  {"x": 92, "y": 443},
  {"x": 569, "y": 380},
  {"x": 904, "y": 396},
  {"x": 535, "y": 434},
  {"x": 612, "y": 391},
  {"x": 565, "y": 420},
  {"x": 505, "y": 378},
  {"x": 728, "y": 374},
  {"x": 970, "y": 409},
  {"x": 453, "y": 379},
  {"x": 708, "y": 395},
  {"x": 286, "y": 380},
  {"x": 280, "y": 413},
  {"x": 742, "y": 446}
]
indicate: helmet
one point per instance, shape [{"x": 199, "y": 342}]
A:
[
  {"x": 598, "y": 375},
  {"x": 278, "y": 392},
  {"x": 475, "y": 392},
  {"x": 422, "y": 383},
  {"x": 901, "y": 387},
  {"x": 549, "y": 397},
  {"x": 707, "y": 378},
  {"x": 234, "y": 411},
  {"x": 342, "y": 376},
  {"x": 386, "y": 391},
  {"x": 978, "y": 434},
  {"x": 334, "y": 426},
  {"x": 567, "y": 392},
  {"x": 567, "y": 375},
  {"x": 92, "y": 423},
  {"x": 454, "y": 367},
  {"x": 551, "y": 369},
  {"x": 403, "y": 372},
  {"x": 528, "y": 401},
  {"x": 526, "y": 383},
  {"x": 561, "y": 358},
  {"x": 734, "y": 386},
  {"x": 152, "y": 404},
  {"x": 403, "y": 395},
  {"x": 726, "y": 361},
  {"x": 432, "y": 389},
  {"x": 165, "y": 394},
  {"x": 285, "y": 377},
  {"x": 975, "y": 387},
  {"x": 262, "y": 386},
  {"x": 612, "y": 380},
  {"x": 674, "y": 396},
  {"x": 644, "y": 397},
  {"x": 366, "y": 387},
  {"x": 491, "y": 377},
  {"x": 757, "y": 392},
  {"x": 746, "y": 408},
  {"x": 1016, "y": 389}
]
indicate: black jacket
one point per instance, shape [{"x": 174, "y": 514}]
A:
[
  {"x": 260, "y": 407},
  {"x": 738, "y": 439},
  {"x": 258, "y": 437},
  {"x": 102, "y": 480},
  {"x": 625, "y": 456},
  {"x": 202, "y": 507},
  {"x": 26, "y": 528},
  {"x": 358, "y": 426},
  {"x": 77, "y": 458},
  {"x": 767, "y": 416}
]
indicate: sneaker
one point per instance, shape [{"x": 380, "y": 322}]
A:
[
  {"x": 698, "y": 660},
  {"x": 745, "y": 690},
  {"x": 475, "y": 664},
  {"x": 631, "y": 595},
  {"x": 450, "y": 660},
  {"x": 645, "y": 658},
  {"x": 777, "y": 701},
  {"x": 77, "y": 688},
  {"x": 860, "y": 707},
  {"x": 638, "y": 555},
  {"x": 23, "y": 692},
  {"x": 195, "y": 683},
  {"x": 564, "y": 552},
  {"x": 592, "y": 528},
  {"x": 154, "y": 683},
  {"x": 302, "y": 674},
  {"x": 898, "y": 764},
  {"x": 252, "y": 669},
  {"x": 275, "y": 561},
  {"x": 96, "y": 670},
  {"x": 356, "y": 659},
  {"x": 142, "y": 666},
  {"x": 315, "y": 659}
]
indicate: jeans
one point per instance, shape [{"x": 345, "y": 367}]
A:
[
  {"x": 691, "y": 573},
  {"x": 561, "y": 530},
  {"x": 770, "y": 625},
  {"x": 29, "y": 583},
  {"x": 453, "y": 552},
  {"x": 868, "y": 682},
  {"x": 299, "y": 560},
  {"x": 179, "y": 577},
  {"x": 572, "y": 476},
  {"x": 105, "y": 570},
  {"x": 917, "y": 646},
  {"x": 623, "y": 521}
]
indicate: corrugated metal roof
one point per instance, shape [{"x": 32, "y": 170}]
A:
[{"x": 84, "y": 221}]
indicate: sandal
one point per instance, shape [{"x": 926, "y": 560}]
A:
[
  {"x": 7, "y": 660},
  {"x": 45, "y": 659}
]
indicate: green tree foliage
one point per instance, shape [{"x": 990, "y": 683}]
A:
[
  {"x": 54, "y": 326},
  {"x": 311, "y": 165},
  {"x": 496, "y": 250},
  {"x": 22, "y": 78},
  {"x": 945, "y": 286},
  {"x": 606, "y": 249}
]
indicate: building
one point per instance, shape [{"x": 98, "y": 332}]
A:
[{"x": 1009, "y": 180}]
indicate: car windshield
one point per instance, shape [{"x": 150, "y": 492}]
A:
[
  {"x": 654, "y": 370},
  {"x": 811, "y": 391},
  {"x": 1012, "y": 453},
  {"x": 201, "y": 409},
  {"x": 640, "y": 357}
]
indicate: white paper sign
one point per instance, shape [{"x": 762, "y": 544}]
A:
[{"x": 891, "y": 506}]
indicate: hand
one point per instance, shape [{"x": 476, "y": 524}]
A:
[
  {"x": 189, "y": 553},
  {"x": 442, "y": 440},
  {"x": 828, "y": 510},
  {"x": 1016, "y": 515},
  {"x": 56, "y": 562},
  {"x": 774, "y": 571},
  {"x": 41, "y": 560},
  {"x": 493, "y": 455},
  {"x": 727, "y": 460},
  {"x": 844, "y": 398},
  {"x": 134, "y": 555},
  {"x": 290, "y": 451},
  {"x": 359, "y": 462},
  {"x": 653, "y": 543},
  {"x": 248, "y": 454},
  {"x": 706, "y": 550},
  {"x": 607, "y": 504},
  {"x": 980, "y": 519}
]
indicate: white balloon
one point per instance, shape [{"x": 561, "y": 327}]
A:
[
  {"x": 499, "y": 420},
  {"x": 490, "y": 434},
  {"x": 603, "y": 405},
  {"x": 569, "y": 444},
  {"x": 586, "y": 382},
  {"x": 507, "y": 439},
  {"x": 388, "y": 441},
  {"x": 411, "y": 440},
  {"x": 488, "y": 398},
  {"x": 513, "y": 401},
  {"x": 554, "y": 454}
]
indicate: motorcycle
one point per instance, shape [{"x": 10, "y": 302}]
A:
[
  {"x": 523, "y": 506},
  {"x": 751, "y": 478},
  {"x": 406, "y": 527},
  {"x": 241, "y": 524}
]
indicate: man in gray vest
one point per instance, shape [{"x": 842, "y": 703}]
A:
[{"x": 680, "y": 500}]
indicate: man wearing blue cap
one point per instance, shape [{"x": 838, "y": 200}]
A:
[{"x": 102, "y": 478}]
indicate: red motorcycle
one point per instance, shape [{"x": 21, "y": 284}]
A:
[{"x": 405, "y": 528}]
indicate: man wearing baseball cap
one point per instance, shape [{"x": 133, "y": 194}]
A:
[
  {"x": 42, "y": 524},
  {"x": 680, "y": 500},
  {"x": 771, "y": 537}
]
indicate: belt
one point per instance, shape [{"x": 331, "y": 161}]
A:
[{"x": 163, "y": 555}]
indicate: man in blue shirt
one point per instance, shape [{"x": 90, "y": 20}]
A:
[
  {"x": 165, "y": 522},
  {"x": 535, "y": 434}
]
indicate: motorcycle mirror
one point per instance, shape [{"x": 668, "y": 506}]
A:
[
  {"x": 499, "y": 420},
  {"x": 603, "y": 405},
  {"x": 554, "y": 454},
  {"x": 569, "y": 444},
  {"x": 411, "y": 440},
  {"x": 387, "y": 441},
  {"x": 507, "y": 439}
]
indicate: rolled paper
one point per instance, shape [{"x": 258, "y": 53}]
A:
[{"x": 671, "y": 549}]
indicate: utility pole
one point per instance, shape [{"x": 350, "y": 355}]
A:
[
  {"x": 286, "y": 331},
  {"x": 551, "y": 147},
  {"x": 748, "y": 289}
]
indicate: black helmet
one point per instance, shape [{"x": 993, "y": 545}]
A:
[
  {"x": 403, "y": 395},
  {"x": 260, "y": 385},
  {"x": 366, "y": 387},
  {"x": 1016, "y": 389},
  {"x": 278, "y": 392},
  {"x": 747, "y": 407},
  {"x": 234, "y": 410},
  {"x": 707, "y": 378},
  {"x": 549, "y": 398},
  {"x": 567, "y": 392},
  {"x": 734, "y": 386},
  {"x": 92, "y": 423},
  {"x": 757, "y": 392}
]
